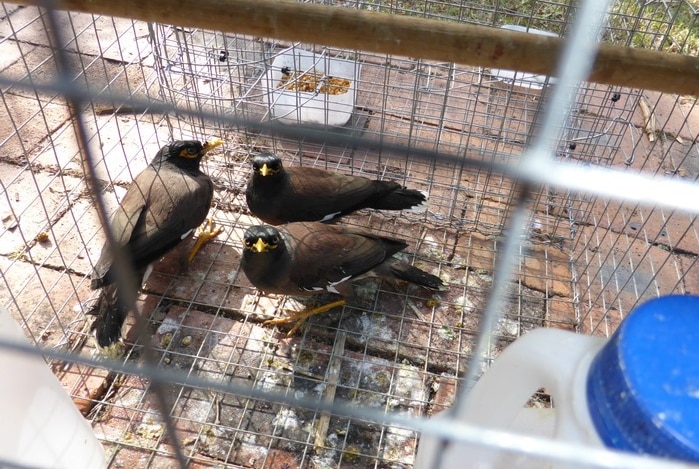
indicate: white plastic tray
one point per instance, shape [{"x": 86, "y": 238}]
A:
[{"x": 301, "y": 107}]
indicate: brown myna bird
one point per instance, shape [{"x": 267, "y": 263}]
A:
[
  {"x": 278, "y": 195},
  {"x": 307, "y": 258},
  {"x": 163, "y": 206}
]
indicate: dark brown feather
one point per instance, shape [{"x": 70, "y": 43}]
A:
[
  {"x": 313, "y": 194},
  {"x": 165, "y": 202},
  {"x": 315, "y": 257}
]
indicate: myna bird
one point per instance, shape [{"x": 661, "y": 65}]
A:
[
  {"x": 307, "y": 258},
  {"x": 278, "y": 195},
  {"x": 163, "y": 205}
]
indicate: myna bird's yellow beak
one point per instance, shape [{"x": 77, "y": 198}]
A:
[
  {"x": 264, "y": 170},
  {"x": 210, "y": 145},
  {"x": 259, "y": 246}
]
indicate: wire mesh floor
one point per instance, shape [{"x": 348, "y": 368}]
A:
[{"x": 586, "y": 263}]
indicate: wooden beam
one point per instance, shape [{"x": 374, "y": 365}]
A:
[{"x": 401, "y": 35}]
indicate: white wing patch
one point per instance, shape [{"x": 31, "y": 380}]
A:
[
  {"x": 329, "y": 287},
  {"x": 330, "y": 216},
  {"x": 146, "y": 274},
  {"x": 186, "y": 234},
  {"x": 420, "y": 208}
]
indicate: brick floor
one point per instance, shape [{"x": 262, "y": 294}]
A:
[{"x": 403, "y": 345}]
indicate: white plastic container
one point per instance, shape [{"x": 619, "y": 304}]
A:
[
  {"x": 41, "y": 427},
  {"x": 302, "y": 107},
  {"x": 524, "y": 79},
  {"x": 637, "y": 391}
]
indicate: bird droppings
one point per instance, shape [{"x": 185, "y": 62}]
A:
[
  {"x": 507, "y": 327},
  {"x": 433, "y": 302},
  {"x": 464, "y": 304},
  {"x": 366, "y": 291},
  {"x": 269, "y": 381},
  {"x": 446, "y": 332},
  {"x": 169, "y": 325},
  {"x": 149, "y": 431},
  {"x": 287, "y": 419},
  {"x": 165, "y": 340},
  {"x": 351, "y": 454},
  {"x": 374, "y": 326},
  {"x": 42, "y": 237}
]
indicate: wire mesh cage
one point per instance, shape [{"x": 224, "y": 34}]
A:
[{"x": 112, "y": 91}]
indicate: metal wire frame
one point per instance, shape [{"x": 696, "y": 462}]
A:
[{"x": 525, "y": 174}]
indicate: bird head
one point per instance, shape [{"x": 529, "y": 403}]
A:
[
  {"x": 261, "y": 238},
  {"x": 187, "y": 153},
  {"x": 265, "y": 164}
]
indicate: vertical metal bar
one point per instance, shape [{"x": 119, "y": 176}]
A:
[
  {"x": 574, "y": 66},
  {"x": 76, "y": 101}
]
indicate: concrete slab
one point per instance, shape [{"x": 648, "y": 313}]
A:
[
  {"x": 11, "y": 52},
  {"x": 8, "y": 9},
  {"x": 76, "y": 239},
  {"x": 94, "y": 75},
  {"x": 122, "y": 146},
  {"x": 8, "y": 175},
  {"x": 618, "y": 271},
  {"x": 113, "y": 38},
  {"x": 675, "y": 116},
  {"x": 690, "y": 268},
  {"x": 35, "y": 200},
  {"x": 44, "y": 301},
  {"x": 30, "y": 124},
  {"x": 660, "y": 227}
]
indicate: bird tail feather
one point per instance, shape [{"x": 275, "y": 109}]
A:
[
  {"x": 402, "y": 199},
  {"x": 111, "y": 314},
  {"x": 409, "y": 273}
]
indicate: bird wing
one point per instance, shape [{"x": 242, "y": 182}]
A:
[
  {"x": 124, "y": 220},
  {"x": 158, "y": 210},
  {"x": 323, "y": 255},
  {"x": 177, "y": 204},
  {"x": 341, "y": 193}
]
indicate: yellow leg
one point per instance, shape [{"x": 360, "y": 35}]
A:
[
  {"x": 300, "y": 316},
  {"x": 204, "y": 234}
]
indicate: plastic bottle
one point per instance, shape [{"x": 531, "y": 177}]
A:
[
  {"x": 638, "y": 391},
  {"x": 41, "y": 427}
]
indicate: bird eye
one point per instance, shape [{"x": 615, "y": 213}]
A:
[
  {"x": 275, "y": 166},
  {"x": 275, "y": 240},
  {"x": 248, "y": 242},
  {"x": 192, "y": 150}
]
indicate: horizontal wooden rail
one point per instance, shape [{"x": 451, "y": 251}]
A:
[{"x": 401, "y": 35}]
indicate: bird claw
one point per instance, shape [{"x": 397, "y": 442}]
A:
[
  {"x": 300, "y": 316},
  {"x": 114, "y": 351},
  {"x": 286, "y": 320},
  {"x": 204, "y": 233}
]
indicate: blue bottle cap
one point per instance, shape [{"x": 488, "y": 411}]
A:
[{"x": 643, "y": 386}]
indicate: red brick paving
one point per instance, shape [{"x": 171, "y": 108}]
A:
[{"x": 407, "y": 337}]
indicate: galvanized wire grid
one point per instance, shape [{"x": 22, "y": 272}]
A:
[{"x": 532, "y": 205}]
